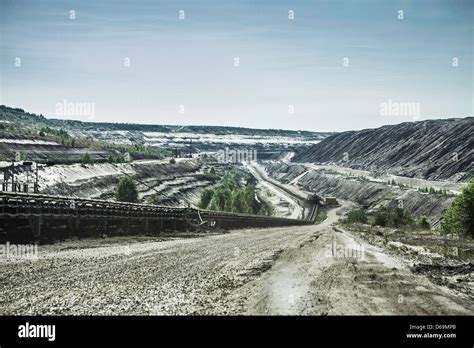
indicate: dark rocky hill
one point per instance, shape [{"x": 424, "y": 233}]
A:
[{"x": 433, "y": 149}]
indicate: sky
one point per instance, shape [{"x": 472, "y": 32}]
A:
[{"x": 305, "y": 65}]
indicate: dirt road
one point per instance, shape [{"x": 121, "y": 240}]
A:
[
  {"x": 339, "y": 274},
  {"x": 296, "y": 270},
  {"x": 294, "y": 205}
]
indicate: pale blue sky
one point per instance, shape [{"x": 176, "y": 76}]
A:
[{"x": 282, "y": 62}]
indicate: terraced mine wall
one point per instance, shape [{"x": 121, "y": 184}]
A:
[
  {"x": 367, "y": 194},
  {"x": 429, "y": 149},
  {"x": 45, "y": 218}
]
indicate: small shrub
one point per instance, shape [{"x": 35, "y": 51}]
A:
[
  {"x": 86, "y": 159},
  {"x": 357, "y": 215},
  {"x": 127, "y": 190},
  {"x": 154, "y": 199},
  {"x": 393, "y": 217},
  {"x": 206, "y": 197},
  {"x": 424, "y": 224}
]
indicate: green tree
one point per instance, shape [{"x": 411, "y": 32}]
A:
[
  {"x": 229, "y": 195},
  {"x": 393, "y": 217},
  {"x": 223, "y": 198},
  {"x": 357, "y": 215},
  {"x": 401, "y": 217},
  {"x": 380, "y": 219},
  {"x": 206, "y": 197},
  {"x": 86, "y": 159},
  {"x": 459, "y": 218},
  {"x": 424, "y": 224},
  {"x": 213, "y": 204},
  {"x": 127, "y": 190},
  {"x": 249, "y": 193},
  {"x": 239, "y": 204}
]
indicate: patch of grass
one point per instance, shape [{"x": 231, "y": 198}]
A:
[{"x": 390, "y": 197}]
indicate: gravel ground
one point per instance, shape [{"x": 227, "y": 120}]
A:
[
  {"x": 177, "y": 276},
  {"x": 291, "y": 270},
  {"x": 340, "y": 274}
]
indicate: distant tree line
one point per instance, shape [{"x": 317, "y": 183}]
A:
[
  {"x": 387, "y": 217},
  {"x": 458, "y": 219}
]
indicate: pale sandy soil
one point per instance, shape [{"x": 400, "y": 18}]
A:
[{"x": 291, "y": 270}]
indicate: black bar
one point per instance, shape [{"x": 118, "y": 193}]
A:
[{"x": 259, "y": 330}]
